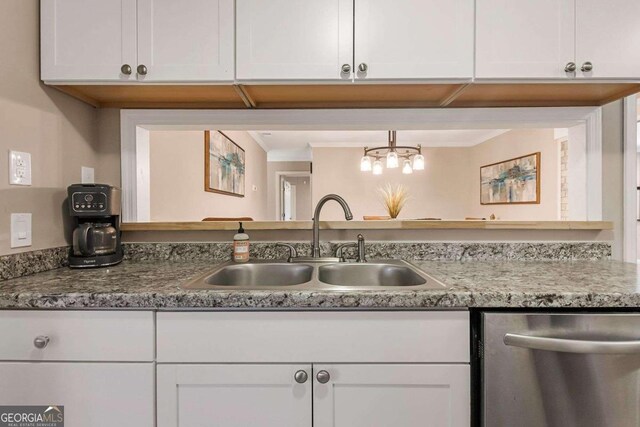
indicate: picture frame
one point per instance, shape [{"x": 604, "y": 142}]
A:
[
  {"x": 224, "y": 165},
  {"x": 514, "y": 181}
]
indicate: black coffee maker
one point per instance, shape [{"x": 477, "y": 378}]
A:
[{"x": 96, "y": 234}]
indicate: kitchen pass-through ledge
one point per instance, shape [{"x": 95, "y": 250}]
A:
[{"x": 372, "y": 225}]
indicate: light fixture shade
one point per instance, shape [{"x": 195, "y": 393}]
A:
[
  {"x": 377, "y": 167},
  {"x": 418, "y": 162},
  {"x": 406, "y": 167},
  {"x": 365, "y": 164},
  {"x": 392, "y": 160}
]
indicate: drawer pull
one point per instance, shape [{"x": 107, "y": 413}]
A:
[
  {"x": 41, "y": 341},
  {"x": 323, "y": 377},
  {"x": 301, "y": 377}
]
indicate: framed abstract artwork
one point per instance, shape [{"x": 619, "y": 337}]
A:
[
  {"x": 513, "y": 181},
  {"x": 224, "y": 165}
]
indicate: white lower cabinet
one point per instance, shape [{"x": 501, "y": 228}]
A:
[
  {"x": 233, "y": 396},
  {"x": 321, "y": 369},
  {"x": 344, "y": 395},
  {"x": 99, "y": 365},
  {"x": 391, "y": 395},
  {"x": 93, "y": 394}
]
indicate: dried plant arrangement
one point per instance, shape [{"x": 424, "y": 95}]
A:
[{"x": 394, "y": 197}]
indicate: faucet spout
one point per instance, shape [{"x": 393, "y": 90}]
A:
[{"x": 315, "y": 244}]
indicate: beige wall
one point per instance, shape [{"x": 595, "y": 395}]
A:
[
  {"x": 109, "y": 137},
  {"x": 58, "y": 131},
  {"x": 512, "y": 144},
  {"x": 612, "y": 172},
  {"x": 440, "y": 191},
  {"x": 448, "y": 188},
  {"x": 272, "y": 189},
  {"x": 177, "y": 179}
]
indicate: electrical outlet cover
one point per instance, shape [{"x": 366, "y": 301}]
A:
[{"x": 19, "y": 168}]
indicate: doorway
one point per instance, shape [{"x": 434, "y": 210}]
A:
[{"x": 293, "y": 198}]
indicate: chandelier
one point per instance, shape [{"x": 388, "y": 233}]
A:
[{"x": 412, "y": 158}]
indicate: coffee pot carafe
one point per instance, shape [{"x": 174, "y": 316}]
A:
[{"x": 91, "y": 239}]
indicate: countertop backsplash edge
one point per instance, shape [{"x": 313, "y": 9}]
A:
[{"x": 31, "y": 262}]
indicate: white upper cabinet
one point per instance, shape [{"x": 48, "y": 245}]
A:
[
  {"x": 88, "y": 39},
  {"x": 557, "y": 39},
  {"x": 608, "y": 37},
  {"x": 414, "y": 39},
  {"x": 186, "y": 40},
  {"x": 137, "y": 40},
  {"x": 529, "y": 39},
  {"x": 294, "y": 39}
]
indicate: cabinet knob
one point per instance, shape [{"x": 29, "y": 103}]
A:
[
  {"x": 363, "y": 67},
  {"x": 126, "y": 69},
  {"x": 301, "y": 377},
  {"x": 142, "y": 70},
  {"x": 41, "y": 341},
  {"x": 570, "y": 67},
  {"x": 587, "y": 66},
  {"x": 346, "y": 68},
  {"x": 323, "y": 377}
]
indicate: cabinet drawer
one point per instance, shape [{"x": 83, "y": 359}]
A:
[
  {"x": 77, "y": 335},
  {"x": 93, "y": 394},
  {"x": 254, "y": 337}
]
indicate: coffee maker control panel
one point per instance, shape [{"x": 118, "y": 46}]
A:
[{"x": 88, "y": 202}]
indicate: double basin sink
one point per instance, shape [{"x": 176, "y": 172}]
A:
[{"x": 256, "y": 275}]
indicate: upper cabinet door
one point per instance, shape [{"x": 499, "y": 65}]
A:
[
  {"x": 364, "y": 395},
  {"x": 294, "y": 39},
  {"x": 414, "y": 39},
  {"x": 187, "y": 40},
  {"x": 88, "y": 39},
  {"x": 529, "y": 39},
  {"x": 608, "y": 37}
]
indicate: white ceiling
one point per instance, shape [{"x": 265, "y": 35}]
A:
[{"x": 302, "y": 140}]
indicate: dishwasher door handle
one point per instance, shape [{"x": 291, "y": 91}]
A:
[{"x": 572, "y": 346}]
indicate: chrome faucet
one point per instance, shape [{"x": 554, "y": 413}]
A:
[{"x": 315, "y": 244}]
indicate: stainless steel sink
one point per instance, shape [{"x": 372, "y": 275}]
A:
[
  {"x": 369, "y": 275},
  {"x": 253, "y": 275},
  {"x": 375, "y": 275}
]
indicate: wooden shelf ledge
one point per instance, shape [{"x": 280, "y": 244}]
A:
[
  {"x": 364, "y": 95},
  {"x": 371, "y": 225}
]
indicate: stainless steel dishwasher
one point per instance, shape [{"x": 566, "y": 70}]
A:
[{"x": 560, "y": 370}]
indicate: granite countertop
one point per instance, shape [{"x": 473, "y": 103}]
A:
[{"x": 156, "y": 285}]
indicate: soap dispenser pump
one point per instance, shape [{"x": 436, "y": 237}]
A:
[{"x": 241, "y": 246}]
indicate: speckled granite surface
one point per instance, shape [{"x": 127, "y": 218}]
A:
[
  {"x": 25, "y": 263},
  {"x": 156, "y": 284},
  {"x": 423, "y": 251}
]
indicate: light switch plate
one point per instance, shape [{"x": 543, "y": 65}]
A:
[
  {"x": 20, "y": 230},
  {"x": 19, "y": 168},
  {"x": 87, "y": 175}
]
